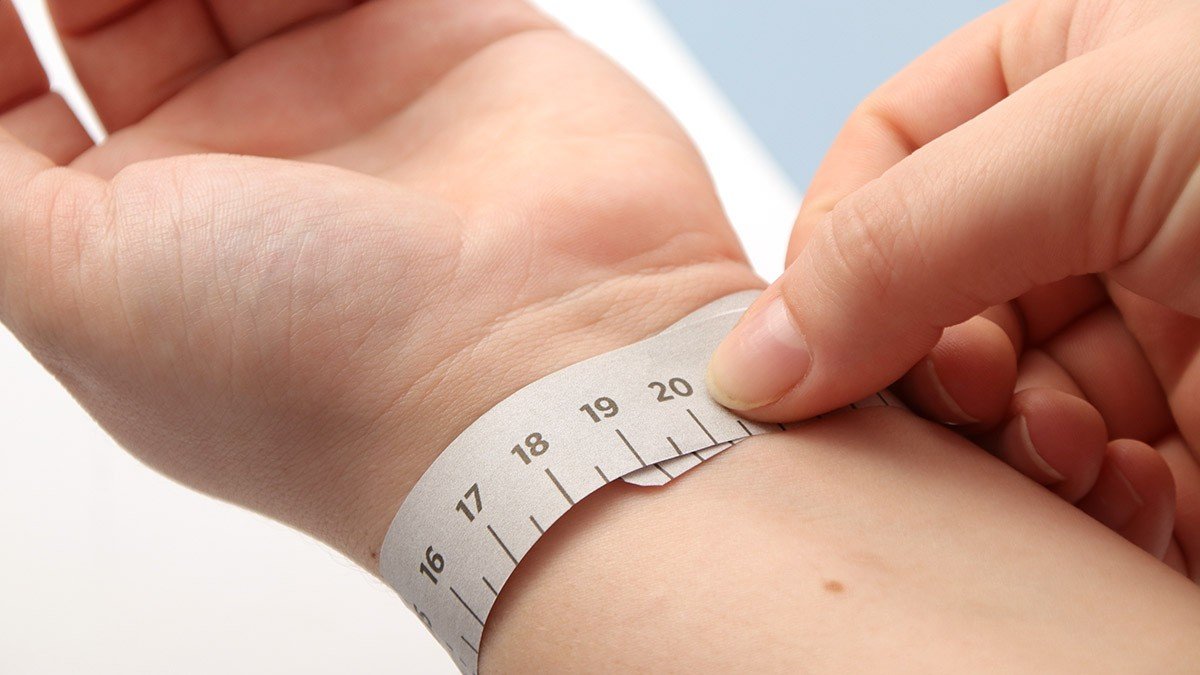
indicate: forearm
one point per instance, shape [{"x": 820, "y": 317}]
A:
[
  {"x": 867, "y": 540},
  {"x": 870, "y": 541}
]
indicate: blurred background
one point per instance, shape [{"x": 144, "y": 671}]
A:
[
  {"x": 795, "y": 69},
  {"x": 106, "y": 567}
]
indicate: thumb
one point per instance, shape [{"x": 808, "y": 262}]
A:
[{"x": 1076, "y": 173}]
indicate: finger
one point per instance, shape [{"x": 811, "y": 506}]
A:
[
  {"x": 1109, "y": 366},
  {"x": 19, "y": 166},
  {"x": 48, "y": 126},
  {"x": 967, "y": 379},
  {"x": 41, "y": 214},
  {"x": 1134, "y": 495},
  {"x": 1172, "y": 346},
  {"x": 244, "y": 23},
  {"x": 1044, "y": 311},
  {"x": 956, "y": 80},
  {"x": 968, "y": 222},
  {"x": 951, "y": 83},
  {"x": 1038, "y": 370},
  {"x": 28, "y": 109},
  {"x": 22, "y": 78},
  {"x": 1053, "y": 438},
  {"x": 1186, "y": 471},
  {"x": 1048, "y": 309},
  {"x": 131, "y": 55},
  {"x": 1174, "y": 559},
  {"x": 42, "y": 203},
  {"x": 1010, "y": 321},
  {"x": 321, "y": 90}
]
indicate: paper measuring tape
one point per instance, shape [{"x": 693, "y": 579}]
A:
[{"x": 640, "y": 413}]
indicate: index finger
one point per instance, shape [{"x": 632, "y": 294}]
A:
[{"x": 959, "y": 78}]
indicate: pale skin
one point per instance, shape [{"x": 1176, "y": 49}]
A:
[
  {"x": 317, "y": 229},
  {"x": 871, "y": 542},
  {"x": 1011, "y": 226}
]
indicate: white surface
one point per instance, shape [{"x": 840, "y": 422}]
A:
[{"x": 106, "y": 567}]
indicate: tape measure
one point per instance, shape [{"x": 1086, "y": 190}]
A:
[{"x": 639, "y": 413}]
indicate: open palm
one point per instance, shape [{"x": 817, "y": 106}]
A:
[{"x": 324, "y": 236}]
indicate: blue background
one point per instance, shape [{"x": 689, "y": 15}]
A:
[{"x": 795, "y": 70}]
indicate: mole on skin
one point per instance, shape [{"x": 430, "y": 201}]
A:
[{"x": 834, "y": 586}]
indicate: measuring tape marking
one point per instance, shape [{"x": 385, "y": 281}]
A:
[{"x": 639, "y": 412}]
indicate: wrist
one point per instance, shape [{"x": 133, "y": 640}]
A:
[
  {"x": 795, "y": 552},
  {"x": 508, "y": 353}
]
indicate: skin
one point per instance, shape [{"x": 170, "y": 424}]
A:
[
  {"x": 1010, "y": 227},
  {"x": 452, "y": 217},
  {"x": 428, "y": 205},
  {"x": 868, "y": 542}
]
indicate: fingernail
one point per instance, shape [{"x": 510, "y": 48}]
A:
[
  {"x": 761, "y": 360},
  {"x": 1035, "y": 457},
  {"x": 957, "y": 414}
]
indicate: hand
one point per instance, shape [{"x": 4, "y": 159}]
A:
[
  {"x": 1037, "y": 171},
  {"x": 322, "y": 239}
]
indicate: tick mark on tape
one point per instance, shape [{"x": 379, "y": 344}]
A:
[
  {"x": 468, "y": 607},
  {"x": 745, "y": 428},
  {"x": 881, "y": 398},
  {"x": 501, "y": 542},
  {"x": 425, "y": 518},
  {"x": 702, "y": 427},
  {"x": 664, "y": 471},
  {"x": 674, "y": 445},
  {"x": 468, "y": 642},
  {"x": 628, "y": 445},
  {"x": 537, "y": 525},
  {"x": 491, "y": 587},
  {"x": 560, "y": 488},
  {"x": 782, "y": 428}
]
